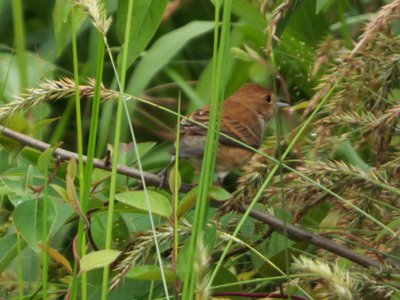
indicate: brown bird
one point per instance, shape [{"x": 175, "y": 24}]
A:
[{"x": 244, "y": 117}]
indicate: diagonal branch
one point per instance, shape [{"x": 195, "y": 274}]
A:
[
  {"x": 294, "y": 232},
  {"x": 151, "y": 179}
]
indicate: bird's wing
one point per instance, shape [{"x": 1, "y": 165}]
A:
[{"x": 237, "y": 121}]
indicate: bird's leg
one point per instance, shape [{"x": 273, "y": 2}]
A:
[{"x": 163, "y": 174}]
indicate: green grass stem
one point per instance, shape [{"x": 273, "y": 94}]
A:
[
  {"x": 45, "y": 255},
  {"x": 82, "y": 181},
  {"x": 211, "y": 146},
  {"x": 19, "y": 32},
  {"x": 20, "y": 273},
  {"x": 269, "y": 179}
]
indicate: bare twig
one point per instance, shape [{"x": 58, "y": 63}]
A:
[
  {"x": 151, "y": 178},
  {"x": 299, "y": 234}
]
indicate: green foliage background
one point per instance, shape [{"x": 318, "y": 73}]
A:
[{"x": 351, "y": 148}]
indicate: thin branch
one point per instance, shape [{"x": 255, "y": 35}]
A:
[
  {"x": 299, "y": 234},
  {"x": 294, "y": 233},
  {"x": 151, "y": 179}
]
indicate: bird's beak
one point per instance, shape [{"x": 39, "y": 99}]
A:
[{"x": 282, "y": 103}]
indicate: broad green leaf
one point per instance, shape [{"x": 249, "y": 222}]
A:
[
  {"x": 45, "y": 159},
  {"x": 120, "y": 235},
  {"x": 4, "y": 190},
  {"x": 16, "y": 184},
  {"x": 151, "y": 272},
  {"x": 16, "y": 122},
  {"x": 161, "y": 53},
  {"x": 28, "y": 218},
  {"x": 219, "y": 194},
  {"x": 323, "y": 5},
  {"x": 225, "y": 276},
  {"x": 30, "y": 154},
  {"x": 279, "y": 259},
  {"x": 171, "y": 179},
  {"x": 37, "y": 68},
  {"x": 8, "y": 250},
  {"x": 188, "y": 201},
  {"x": 250, "y": 14},
  {"x": 147, "y": 15},
  {"x": 143, "y": 148},
  {"x": 159, "y": 204},
  {"x": 41, "y": 124},
  {"x": 346, "y": 152},
  {"x": 62, "y": 22},
  {"x": 61, "y": 192},
  {"x": 98, "y": 259}
]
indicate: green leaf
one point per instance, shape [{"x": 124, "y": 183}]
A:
[
  {"x": 219, "y": 194},
  {"x": 250, "y": 14},
  {"x": 279, "y": 259},
  {"x": 62, "y": 23},
  {"x": 41, "y": 124},
  {"x": 8, "y": 250},
  {"x": 322, "y": 5},
  {"x": 61, "y": 192},
  {"x": 28, "y": 218},
  {"x": 224, "y": 276},
  {"x": 30, "y": 154},
  {"x": 188, "y": 201},
  {"x": 171, "y": 179},
  {"x": 98, "y": 259},
  {"x": 346, "y": 152},
  {"x": 147, "y": 15},
  {"x": 16, "y": 122},
  {"x": 151, "y": 272},
  {"x": 4, "y": 190},
  {"x": 159, "y": 204},
  {"x": 44, "y": 160},
  {"x": 163, "y": 50}
]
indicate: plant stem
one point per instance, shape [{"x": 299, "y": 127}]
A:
[{"x": 18, "y": 22}]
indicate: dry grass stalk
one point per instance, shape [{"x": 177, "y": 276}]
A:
[
  {"x": 143, "y": 246},
  {"x": 340, "y": 283},
  {"x": 201, "y": 267},
  {"x": 51, "y": 90},
  {"x": 277, "y": 15},
  {"x": 327, "y": 50},
  {"x": 254, "y": 173},
  {"x": 379, "y": 23},
  {"x": 97, "y": 13},
  {"x": 364, "y": 96}
]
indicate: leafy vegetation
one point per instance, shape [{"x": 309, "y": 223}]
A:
[{"x": 90, "y": 96}]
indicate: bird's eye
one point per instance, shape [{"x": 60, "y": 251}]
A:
[{"x": 267, "y": 98}]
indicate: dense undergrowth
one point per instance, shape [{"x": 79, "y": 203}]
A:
[{"x": 103, "y": 80}]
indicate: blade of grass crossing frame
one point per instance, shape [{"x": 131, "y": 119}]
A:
[
  {"x": 208, "y": 164},
  {"x": 176, "y": 185},
  {"x": 82, "y": 182},
  {"x": 94, "y": 122},
  {"x": 122, "y": 105},
  {"x": 282, "y": 196},
  {"x": 117, "y": 137}
]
